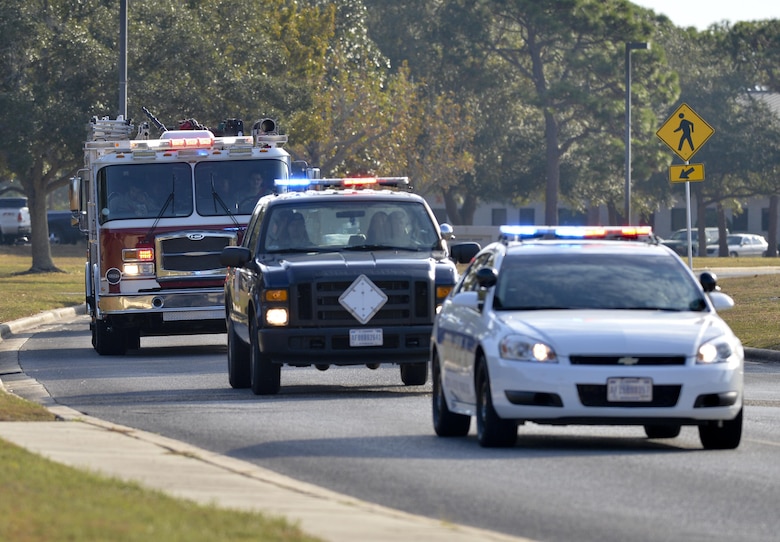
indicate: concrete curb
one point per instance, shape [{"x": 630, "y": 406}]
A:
[{"x": 17, "y": 326}]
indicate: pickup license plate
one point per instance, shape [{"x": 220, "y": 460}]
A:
[
  {"x": 365, "y": 337},
  {"x": 629, "y": 390}
]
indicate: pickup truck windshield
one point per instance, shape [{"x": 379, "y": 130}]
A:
[{"x": 348, "y": 225}]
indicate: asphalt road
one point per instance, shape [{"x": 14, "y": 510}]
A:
[{"x": 363, "y": 433}]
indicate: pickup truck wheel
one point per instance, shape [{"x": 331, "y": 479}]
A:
[
  {"x": 445, "y": 422},
  {"x": 492, "y": 430},
  {"x": 414, "y": 374},
  {"x": 238, "y": 360},
  {"x": 265, "y": 376},
  {"x": 108, "y": 340}
]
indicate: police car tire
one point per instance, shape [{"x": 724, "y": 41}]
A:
[
  {"x": 445, "y": 422},
  {"x": 265, "y": 376},
  {"x": 662, "y": 431},
  {"x": 724, "y": 436},
  {"x": 492, "y": 431}
]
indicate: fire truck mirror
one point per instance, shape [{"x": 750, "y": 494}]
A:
[{"x": 74, "y": 193}]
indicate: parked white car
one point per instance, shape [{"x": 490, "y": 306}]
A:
[{"x": 742, "y": 244}]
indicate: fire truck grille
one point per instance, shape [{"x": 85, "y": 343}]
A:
[
  {"x": 408, "y": 302},
  {"x": 192, "y": 254}
]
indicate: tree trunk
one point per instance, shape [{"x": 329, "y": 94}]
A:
[
  {"x": 553, "y": 170},
  {"x": 41, "y": 250}
]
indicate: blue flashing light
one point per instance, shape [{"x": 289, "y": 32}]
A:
[{"x": 518, "y": 233}]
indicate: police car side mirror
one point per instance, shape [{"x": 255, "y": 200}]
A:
[
  {"x": 234, "y": 256},
  {"x": 486, "y": 277},
  {"x": 709, "y": 282}
]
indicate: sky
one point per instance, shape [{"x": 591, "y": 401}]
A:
[{"x": 703, "y": 13}]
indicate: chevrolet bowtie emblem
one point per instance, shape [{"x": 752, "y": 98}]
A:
[{"x": 628, "y": 361}]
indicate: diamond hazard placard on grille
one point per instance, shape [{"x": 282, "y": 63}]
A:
[{"x": 363, "y": 299}]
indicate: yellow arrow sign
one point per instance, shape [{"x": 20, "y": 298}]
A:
[
  {"x": 689, "y": 172},
  {"x": 685, "y": 132}
]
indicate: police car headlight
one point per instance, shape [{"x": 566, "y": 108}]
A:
[
  {"x": 719, "y": 350},
  {"x": 523, "y": 348}
]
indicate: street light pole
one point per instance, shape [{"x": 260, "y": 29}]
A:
[{"x": 630, "y": 46}]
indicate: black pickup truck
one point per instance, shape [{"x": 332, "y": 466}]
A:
[{"x": 338, "y": 276}]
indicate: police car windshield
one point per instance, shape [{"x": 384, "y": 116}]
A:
[
  {"x": 348, "y": 224},
  {"x": 596, "y": 281}
]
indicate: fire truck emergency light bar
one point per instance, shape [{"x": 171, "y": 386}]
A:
[{"x": 518, "y": 233}]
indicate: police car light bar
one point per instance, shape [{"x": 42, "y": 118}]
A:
[
  {"x": 345, "y": 182},
  {"x": 518, "y": 233}
]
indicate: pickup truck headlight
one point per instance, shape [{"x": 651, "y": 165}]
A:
[{"x": 277, "y": 316}]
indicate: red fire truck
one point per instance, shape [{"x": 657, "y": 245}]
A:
[{"x": 158, "y": 213}]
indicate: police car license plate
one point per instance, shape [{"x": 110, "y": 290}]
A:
[
  {"x": 365, "y": 337},
  {"x": 629, "y": 390}
]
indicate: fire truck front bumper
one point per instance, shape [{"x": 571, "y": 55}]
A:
[{"x": 171, "y": 306}]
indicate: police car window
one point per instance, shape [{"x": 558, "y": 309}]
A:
[
  {"x": 144, "y": 191},
  {"x": 469, "y": 280},
  {"x": 234, "y": 186},
  {"x": 595, "y": 281}
]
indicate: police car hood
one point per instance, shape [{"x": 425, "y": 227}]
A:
[{"x": 580, "y": 332}]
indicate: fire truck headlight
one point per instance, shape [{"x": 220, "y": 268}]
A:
[
  {"x": 276, "y": 316},
  {"x": 138, "y": 269}
]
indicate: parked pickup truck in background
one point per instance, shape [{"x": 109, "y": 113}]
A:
[{"x": 14, "y": 220}]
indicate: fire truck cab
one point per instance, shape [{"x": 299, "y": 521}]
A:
[{"x": 157, "y": 213}]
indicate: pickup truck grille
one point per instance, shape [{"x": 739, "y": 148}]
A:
[
  {"x": 190, "y": 254},
  {"x": 408, "y": 302}
]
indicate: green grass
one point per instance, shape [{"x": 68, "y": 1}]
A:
[
  {"x": 43, "y": 501},
  {"x": 29, "y": 294}
]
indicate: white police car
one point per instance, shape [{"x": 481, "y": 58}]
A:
[{"x": 559, "y": 325}]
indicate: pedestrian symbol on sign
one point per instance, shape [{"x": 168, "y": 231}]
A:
[{"x": 686, "y": 127}]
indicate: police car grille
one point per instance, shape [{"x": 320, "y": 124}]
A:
[
  {"x": 408, "y": 302},
  {"x": 183, "y": 255},
  {"x": 627, "y": 360}
]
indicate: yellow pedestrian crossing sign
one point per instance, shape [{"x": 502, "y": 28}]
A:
[{"x": 685, "y": 132}]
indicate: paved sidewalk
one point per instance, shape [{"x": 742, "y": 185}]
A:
[{"x": 192, "y": 473}]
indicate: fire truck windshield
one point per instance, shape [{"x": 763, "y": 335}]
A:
[
  {"x": 234, "y": 186},
  {"x": 144, "y": 190}
]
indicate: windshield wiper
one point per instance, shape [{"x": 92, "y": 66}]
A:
[
  {"x": 222, "y": 204},
  {"x": 367, "y": 248}
]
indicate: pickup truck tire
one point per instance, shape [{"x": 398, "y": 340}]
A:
[
  {"x": 265, "y": 376},
  {"x": 414, "y": 374},
  {"x": 238, "y": 360},
  {"x": 107, "y": 340}
]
